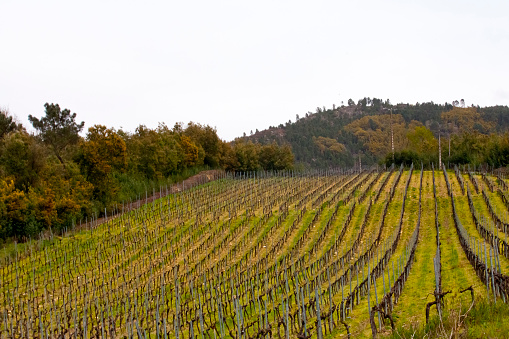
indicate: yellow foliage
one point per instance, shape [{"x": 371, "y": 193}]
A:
[
  {"x": 422, "y": 140},
  {"x": 460, "y": 120},
  {"x": 105, "y": 149},
  {"x": 13, "y": 205},
  {"x": 43, "y": 205},
  {"x": 12, "y": 201},
  {"x": 190, "y": 151},
  {"x": 329, "y": 144},
  {"x": 375, "y": 132}
]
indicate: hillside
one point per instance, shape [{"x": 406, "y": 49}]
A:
[
  {"x": 314, "y": 255},
  {"x": 341, "y": 135},
  {"x": 56, "y": 178}
]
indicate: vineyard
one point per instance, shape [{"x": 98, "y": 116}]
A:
[{"x": 332, "y": 253}]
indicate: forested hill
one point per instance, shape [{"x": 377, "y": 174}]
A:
[{"x": 339, "y": 136}]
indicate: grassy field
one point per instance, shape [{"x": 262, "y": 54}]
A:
[{"x": 271, "y": 255}]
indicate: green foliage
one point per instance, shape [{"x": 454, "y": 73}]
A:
[
  {"x": 365, "y": 128},
  {"x": 484, "y": 320},
  {"x": 103, "y": 152},
  {"x": 151, "y": 153},
  {"x": 88, "y": 175},
  {"x": 206, "y": 137},
  {"x": 133, "y": 186},
  {"x": 498, "y": 151},
  {"x": 460, "y": 120},
  {"x": 64, "y": 177},
  {"x": 274, "y": 158},
  {"x": 244, "y": 156},
  {"x": 422, "y": 140},
  {"x": 375, "y": 132},
  {"x": 405, "y": 157},
  {"x": 7, "y": 124},
  {"x": 22, "y": 158},
  {"x": 58, "y": 129}
]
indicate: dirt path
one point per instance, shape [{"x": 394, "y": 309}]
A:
[{"x": 197, "y": 179}]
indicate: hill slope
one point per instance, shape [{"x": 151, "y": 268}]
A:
[
  {"x": 331, "y": 137},
  {"x": 262, "y": 255}
]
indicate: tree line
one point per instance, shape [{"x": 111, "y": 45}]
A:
[
  {"x": 344, "y": 134},
  {"x": 54, "y": 178}
]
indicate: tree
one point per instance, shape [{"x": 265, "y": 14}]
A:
[
  {"x": 329, "y": 144},
  {"x": 273, "y": 157},
  {"x": 58, "y": 129},
  {"x": 191, "y": 152},
  {"x": 228, "y": 157},
  {"x": 205, "y": 137},
  {"x": 23, "y": 158},
  {"x": 459, "y": 120},
  {"x": 405, "y": 157},
  {"x": 103, "y": 152},
  {"x": 246, "y": 154},
  {"x": 7, "y": 124},
  {"x": 378, "y": 141},
  {"x": 423, "y": 142},
  {"x": 13, "y": 205}
]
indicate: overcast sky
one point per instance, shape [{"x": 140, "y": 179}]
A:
[{"x": 242, "y": 65}]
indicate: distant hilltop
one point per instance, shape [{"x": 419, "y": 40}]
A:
[{"x": 362, "y": 131}]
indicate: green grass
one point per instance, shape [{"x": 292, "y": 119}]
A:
[
  {"x": 484, "y": 320},
  {"x": 421, "y": 280}
]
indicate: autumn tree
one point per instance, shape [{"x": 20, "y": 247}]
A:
[
  {"x": 13, "y": 205},
  {"x": 61, "y": 199},
  {"x": 460, "y": 120},
  {"x": 227, "y": 157},
  {"x": 206, "y": 137},
  {"x": 102, "y": 153},
  {"x": 375, "y": 132},
  {"x": 58, "y": 129},
  {"x": 328, "y": 144},
  {"x": 191, "y": 152}
]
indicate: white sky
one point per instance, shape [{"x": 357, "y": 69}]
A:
[{"x": 241, "y": 65}]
